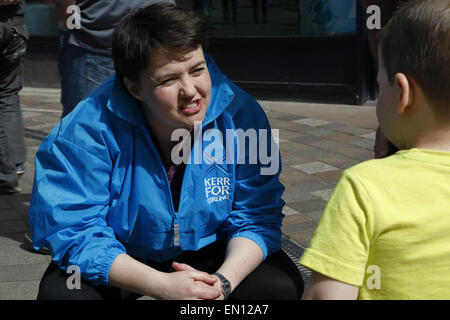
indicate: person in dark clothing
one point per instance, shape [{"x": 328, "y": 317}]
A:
[
  {"x": 85, "y": 59},
  {"x": 13, "y": 36}
]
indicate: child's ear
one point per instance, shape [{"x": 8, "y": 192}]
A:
[
  {"x": 406, "y": 91},
  {"x": 133, "y": 88}
]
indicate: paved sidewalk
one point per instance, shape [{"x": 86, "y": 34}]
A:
[{"x": 317, "y": 142}]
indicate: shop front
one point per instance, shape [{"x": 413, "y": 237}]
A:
[{"x": 285, "y": 49}]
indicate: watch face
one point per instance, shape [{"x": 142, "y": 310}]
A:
[{"x": 226, "y": 286}]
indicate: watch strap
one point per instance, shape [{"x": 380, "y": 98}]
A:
[{"x": 226, "y": 285}]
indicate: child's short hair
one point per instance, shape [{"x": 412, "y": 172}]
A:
[{"x": 416, "y": 41}]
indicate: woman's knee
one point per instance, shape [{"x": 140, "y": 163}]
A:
[{"x": 277, "y": 278}]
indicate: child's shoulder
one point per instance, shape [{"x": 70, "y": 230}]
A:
[
  {"x": 403, "y": 164},
  {"x": 374, "y": 166}
]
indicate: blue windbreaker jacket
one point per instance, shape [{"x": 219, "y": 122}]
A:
[{"x": 100, "y": 187}]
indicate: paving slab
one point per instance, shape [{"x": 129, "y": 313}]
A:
[
  {"x": 19, "y": 255},
  {"x": 314, "y": 167},
  {"x": 19, "y": 290},
  {"x": 22, "y": 272}
]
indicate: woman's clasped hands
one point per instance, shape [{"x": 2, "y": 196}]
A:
[{"x": 187, "y": 283}]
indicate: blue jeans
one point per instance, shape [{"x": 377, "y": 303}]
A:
[{"x": 81, "y": 72}]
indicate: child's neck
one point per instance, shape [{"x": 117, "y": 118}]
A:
[{"x": 435, "y": 139}]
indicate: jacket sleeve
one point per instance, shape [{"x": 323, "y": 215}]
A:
[
  {"x": 69, "y": 206},
  {"x": 257, "y": 204}
]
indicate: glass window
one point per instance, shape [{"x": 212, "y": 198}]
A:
[
  {"x": 41, "y": 18},
  {"x": 276, "y": 17}
]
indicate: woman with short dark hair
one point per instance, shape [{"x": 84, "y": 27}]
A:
[{"x": 112, "y": 197}]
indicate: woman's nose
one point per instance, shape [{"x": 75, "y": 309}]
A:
[{"x": 188, "y": 89}]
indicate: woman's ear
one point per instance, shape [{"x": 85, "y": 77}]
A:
[
  {"x": 406, "y": 91},
  {"x": 133, "y": 88}
]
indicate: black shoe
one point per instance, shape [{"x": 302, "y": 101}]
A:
[
  {"x": 10, "y": 190},
  {"x": 29, "y": 243},
  {"x": 20, "y": 170}
]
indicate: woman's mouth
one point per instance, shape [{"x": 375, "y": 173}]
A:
[{"x": 192, "y": 108}]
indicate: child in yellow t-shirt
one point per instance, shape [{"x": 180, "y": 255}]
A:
[{"x": 385, "y": 233}]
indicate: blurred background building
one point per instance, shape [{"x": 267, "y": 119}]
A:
[{"x": 285, "y": 49}]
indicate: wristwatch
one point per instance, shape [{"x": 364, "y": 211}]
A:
[{"x": 226, "y": 285}]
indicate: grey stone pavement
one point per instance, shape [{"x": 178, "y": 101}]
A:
[{"x": 317, "y": 142}]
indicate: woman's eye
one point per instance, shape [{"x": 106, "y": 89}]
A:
[
  {"x": 198, "y": 71},
  {"x": 167, "y": 82}
]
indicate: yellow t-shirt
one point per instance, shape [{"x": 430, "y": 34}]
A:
[{"x": 386, "y": 228}]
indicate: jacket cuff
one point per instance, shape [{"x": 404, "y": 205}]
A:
[
  {"x": 255, "y": 238},
  {"x": 106, "y": 265}
]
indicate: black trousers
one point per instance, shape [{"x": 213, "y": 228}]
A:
[{"x": 276, "y": 278}]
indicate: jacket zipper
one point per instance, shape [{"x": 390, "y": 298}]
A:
[
  {"x": 176, "y": 233},
  {"x": 176, "y": 226}
]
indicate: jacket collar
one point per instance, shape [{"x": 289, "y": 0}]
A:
[{"x": 124, "y": 105}]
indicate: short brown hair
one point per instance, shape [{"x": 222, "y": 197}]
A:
[
  {"x": 159, "y": 26},
  {"x": 416, "y": 41}
]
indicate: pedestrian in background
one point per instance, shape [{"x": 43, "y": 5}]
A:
[
  {"x": 85, "y": 59},
  {"x": 13, "y": 37}
]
